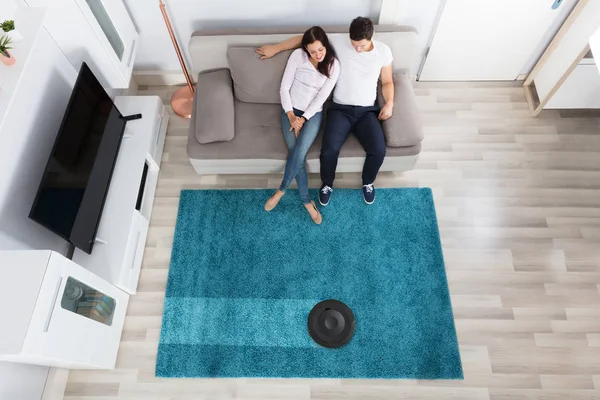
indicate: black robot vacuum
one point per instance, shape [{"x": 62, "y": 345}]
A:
[{"x": 331, "y": 324}]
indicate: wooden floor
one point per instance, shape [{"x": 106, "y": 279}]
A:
[{"x": 518, "y": 203}]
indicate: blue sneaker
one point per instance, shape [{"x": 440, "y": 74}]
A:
[
  {"x": 369, "y": 193},
  {"x": 324, "y": 195}
]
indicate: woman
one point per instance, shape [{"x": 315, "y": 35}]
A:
[{"x": 309, "y": 78}]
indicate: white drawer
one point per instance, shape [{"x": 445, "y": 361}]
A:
[{"x": 134, "y": 254}]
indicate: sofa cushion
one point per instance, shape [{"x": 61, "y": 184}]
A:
[
  {"x": 258, "y": 136},
  {"x": 256, "y": 80},
  {"x": 214, "y": 107},
  {"x": 404, "y": 128}
]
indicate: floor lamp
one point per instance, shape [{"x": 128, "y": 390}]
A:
[{"x": 183, "y": 98}]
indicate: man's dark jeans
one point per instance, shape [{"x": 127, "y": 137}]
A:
[{"x": 363, "y": 122}]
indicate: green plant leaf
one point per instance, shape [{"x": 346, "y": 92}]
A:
[
  {"x": 8, "y": 25},
  {"x": 5, "y": 42}
]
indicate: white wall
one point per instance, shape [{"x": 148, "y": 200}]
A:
[
  {"x": 26, "y": 136},
  {"x": 422, "y": 14},
  {"x": 156, "y": 51},
  {"x": 32, "y": 110}
]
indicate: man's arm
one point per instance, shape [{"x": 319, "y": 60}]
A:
[
  {"x": 387, "y": 88},
  {"x": 269, "y": 50}
]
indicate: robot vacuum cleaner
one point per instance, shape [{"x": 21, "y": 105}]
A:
[{"x": 331, "y": 324}]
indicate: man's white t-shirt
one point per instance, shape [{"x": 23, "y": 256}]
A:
[{"x": 357, "y": 84}]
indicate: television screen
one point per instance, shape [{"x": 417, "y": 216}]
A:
[{"x": 71, "y": 194}]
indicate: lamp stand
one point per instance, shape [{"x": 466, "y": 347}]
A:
[{"x": 183, "y": 99}]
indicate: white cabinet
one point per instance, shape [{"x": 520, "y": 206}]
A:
[
  {"x": 98, "y": 32},
  {"x": 595, "y": 47},
  {"x": 565, "y": 77},
  {"x": 581, "y": 89},
  {"x": 121, "y": 237},
  {"x": 57, "y": 313}
]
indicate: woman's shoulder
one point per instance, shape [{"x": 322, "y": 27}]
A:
[
  {"x": 296, "y": 57},
  {"x": 298, "y": 54}
]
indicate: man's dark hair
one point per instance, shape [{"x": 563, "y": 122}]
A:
[{"x": 361, "y": 28}]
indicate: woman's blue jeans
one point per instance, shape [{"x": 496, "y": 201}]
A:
[{"x": 296, "y": 162}]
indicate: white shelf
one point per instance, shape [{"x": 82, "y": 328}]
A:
[
  {"x": 595, "y": 47},
  {"x": 77, "y": 31},
  {"x": 29, "y": 22},
  {"x": 117, "y": 256},
  {"x": 588, "y": 59},
  {"x": 581, "y": 89}
]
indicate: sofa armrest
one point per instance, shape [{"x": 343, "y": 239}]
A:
[
  {"x": 404, "y": 128},
  {"x": 213, "y": 110}
]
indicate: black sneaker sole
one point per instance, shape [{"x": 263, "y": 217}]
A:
[
  {"x": 367, "y": 201},
  {"x": 323, "y": 204}
]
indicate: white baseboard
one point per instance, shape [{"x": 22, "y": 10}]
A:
[
  {"x": 56, "y": 384},
  {"x": 159, "y": 78}
]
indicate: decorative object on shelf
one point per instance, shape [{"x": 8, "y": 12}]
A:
[
  {"x": 88, "y": 302},
  {"x": 183, "y": 98},
  {"x": 5, "y": 56},
  {"x": 8, "y": 27}
]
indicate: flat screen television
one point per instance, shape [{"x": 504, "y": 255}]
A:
[{"x": 71, "y": 195}]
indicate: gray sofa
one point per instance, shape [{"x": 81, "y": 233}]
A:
[{"x": 235, "y": 126}]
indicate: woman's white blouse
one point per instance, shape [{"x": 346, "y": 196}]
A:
[{"x": 303, "y": 87}]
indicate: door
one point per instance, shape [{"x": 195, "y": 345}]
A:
[{"x": 481, "y": 40}]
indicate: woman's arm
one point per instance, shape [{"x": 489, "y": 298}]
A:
[
  {"x": 324, "y": 92},
  {"x": 286, "y": 82},
  {"x": 269, "y": 50}
]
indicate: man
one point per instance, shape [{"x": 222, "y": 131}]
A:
[{"x": 363, "y": 61}]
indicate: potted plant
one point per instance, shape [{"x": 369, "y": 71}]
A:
[
  {"x": 5, "y": 57},
  {"x": 8, "y": 27}
]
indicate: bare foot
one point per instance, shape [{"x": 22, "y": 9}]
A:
[{"x": 274, "y": 200}]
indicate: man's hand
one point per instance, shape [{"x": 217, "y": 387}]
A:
[
  {"x": 270, "y": 50},
  {"x": 386, "y": 112},
  {"x": 267, "y": 51}
]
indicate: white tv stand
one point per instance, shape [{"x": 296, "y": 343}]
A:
[{"x": 119, "y": 248}]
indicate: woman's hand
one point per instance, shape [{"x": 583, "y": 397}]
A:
[
  {"x": 296, "y": 123},
  {"x": 267, "y": 51}
]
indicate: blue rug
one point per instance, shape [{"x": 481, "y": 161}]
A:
[{"x": 242, "y": 282}]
